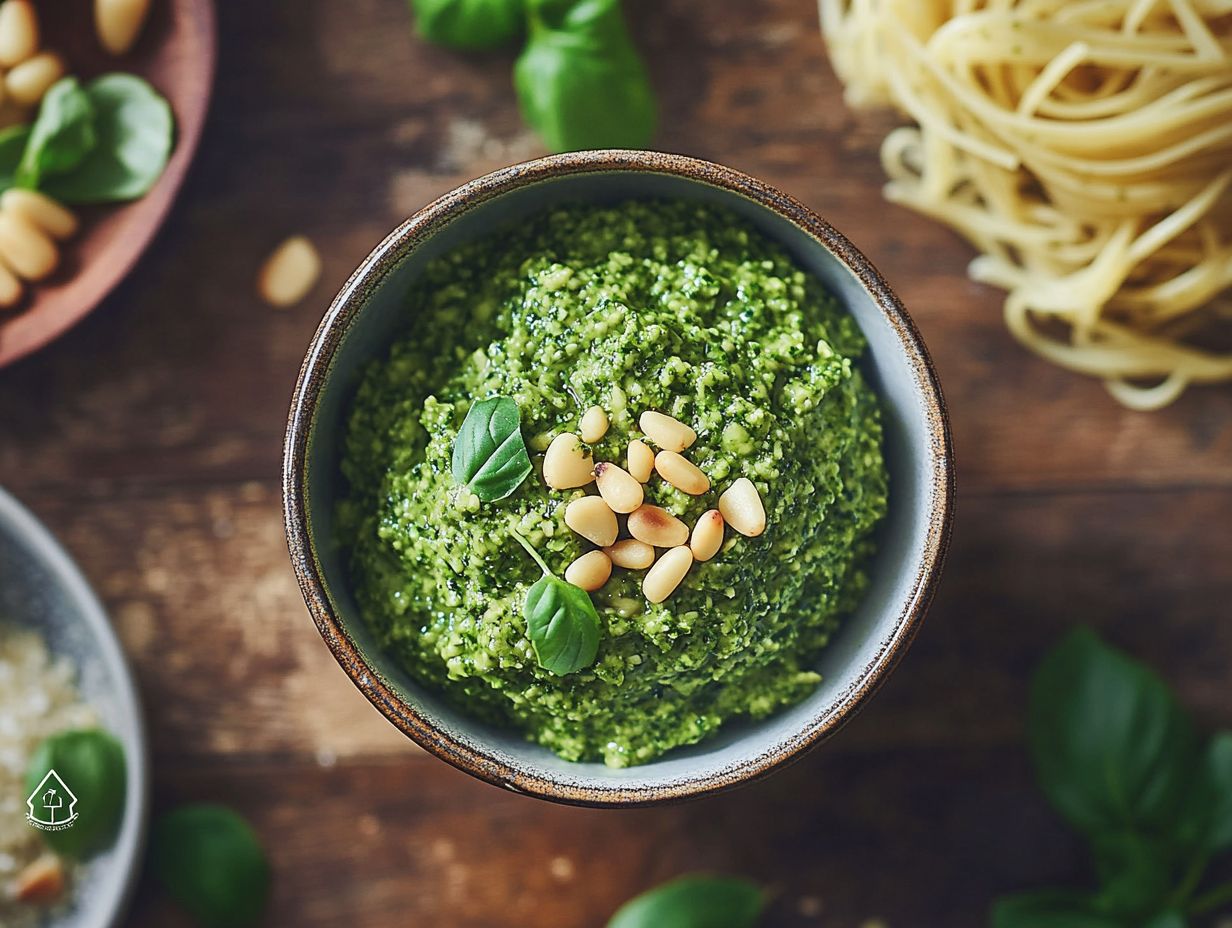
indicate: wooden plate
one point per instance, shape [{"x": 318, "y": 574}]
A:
[{"x": 176, "y": 53}]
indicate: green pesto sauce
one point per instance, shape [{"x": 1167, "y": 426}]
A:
[{"x": 646, "y": 305}]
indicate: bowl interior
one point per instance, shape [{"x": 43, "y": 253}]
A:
[
  {"x": 42, "y": 590},
  {"x": 915, "y": 451}
]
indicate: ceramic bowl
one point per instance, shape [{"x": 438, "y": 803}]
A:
[
  {"x": 359, "y": 326},
  {"x": 41, "y": 589}
]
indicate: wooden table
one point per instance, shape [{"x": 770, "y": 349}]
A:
[{"x": 149, "y": 440}]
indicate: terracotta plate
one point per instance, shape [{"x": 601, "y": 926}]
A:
[{"x": 176, "y": 53}]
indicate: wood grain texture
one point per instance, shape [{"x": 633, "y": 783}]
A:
[{"x": 149, "y": 439}]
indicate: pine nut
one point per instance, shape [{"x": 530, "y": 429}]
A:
[
  {"x": 19, "y": 32},
  {"x": 40, "y": 882},
  {"x": 40, "y": 210},
  {"x": 641, "y": 460},
  {"x": 668, "y": 433},
  {"x": 631, "y": 554},
  {"x": 11, "y": 288},
  {"x": 291, "y": 270},
  {"x": 741, "y": 507},
  {"x": 593, "y": 519},
  {"x": 566, "y": 464},
  {"x": 681, "y": 473},
  {"x": 707, "y": 535},
  {"x": 29, "y": 253},
  {"x": 622, "y": 492},
  {"x": 590, "y": 571},
  {"x": 663, "y": 578},
  {"x": 119, "y": 22},
  {"x": 593, "y": 425},
  {"x": 656, "y": 526},
  {"x": 28, "y": 81}
]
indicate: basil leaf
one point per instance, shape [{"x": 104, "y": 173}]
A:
[
  {"x": 562, "y": 625},
  {"x": 580, "y": 81},
  {"x": 1056, "y": 908},
  {"x": 694, "y": 902},
  {"x": 1205, "y": 824},
  {"x": 12, "y": 146},
  {"x": 90, "y": 764},
  {"x": 134, "y": 131},
  {"x": 1135, "y": 873},
  {"x": 1112, "y": 748},
  {"x": 62, "y": 135},
  {"x": 469, "y": 24},
  {"x": 212, "y": 864},
  {"x": 489, "y": 455}
]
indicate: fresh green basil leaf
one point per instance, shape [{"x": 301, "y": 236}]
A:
[
  {"x": 469, "y": 24},
  {"x": 695, "y": 901},
  {"x": 562, "y": 625},
  {"x": 134, "y": 131},
  {"x": 62, "y": 135},
  {"x": 1051, "y": 909},
  {"x": 580, "y": 82},
  {"x": 90, "y": 764},
  {"x": 1204, "y": 825},
  {"x": 212, "y": 864},
  {"x": 1112, "y": 748},
  {"x": 1136, "y": 873},
  {"x": 489, "y": 454},
  {"x": 12, "y": 145}
]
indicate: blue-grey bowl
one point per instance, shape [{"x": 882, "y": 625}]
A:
[
  {"x": 42, "y": 590},
  {"x": 370, "y": 309}
]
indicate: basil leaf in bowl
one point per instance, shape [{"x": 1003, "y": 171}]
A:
[
  {"x": 469, "y": 24},
  {"x": 489, "y": 454},
  {"x": 90, "y": 763}
]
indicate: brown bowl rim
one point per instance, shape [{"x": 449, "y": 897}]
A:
[{"x": 349, "y": 302}]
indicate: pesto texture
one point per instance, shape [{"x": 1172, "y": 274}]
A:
[{"x": 673, "y": 307}]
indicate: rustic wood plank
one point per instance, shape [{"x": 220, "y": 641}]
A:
[
  {"x": 333, "y": 120},
  {"x": 910, "y": 837}
]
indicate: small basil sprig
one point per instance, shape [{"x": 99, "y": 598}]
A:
[
  {"x": 1117, "y": 756},
  {"x": 90, "y": 762},
  {"x": 489, "y": 454},
  {"x": 561, "y": 621},
  {"x": 694, "y": 901},
  {"x": 212, "y": 864},
  {"x": 62, "y": 135},
  {"x": 580, "y": 82},
  {"x": 469, "y": 24}
]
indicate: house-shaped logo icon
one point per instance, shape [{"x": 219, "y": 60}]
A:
[{"x": 52, "y": 806}]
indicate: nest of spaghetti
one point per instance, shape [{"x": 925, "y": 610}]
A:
[{"x": 1085, "y": 148}]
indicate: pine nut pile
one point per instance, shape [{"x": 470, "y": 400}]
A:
[
  {"x": 30, "y": 222},
  {"x": 567, "y": 465}
]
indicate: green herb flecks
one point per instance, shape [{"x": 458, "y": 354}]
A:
[
  {"x": 561, "y": 621},
  {"x": 489, "y": 454}
]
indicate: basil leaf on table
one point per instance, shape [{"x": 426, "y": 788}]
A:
[
  {"x": 580, "y": 82},
  {"x": 1136, "y": 873},
  {"x": 90, "y": 763},
  {"x": 469, "y": 24},
  {"x": 1205, "y": 824},
  {"x": 694, "y": 902},
  {"x": 134, "y": 131},
  {"x": 561, "y": 621},
  {"x": 1112, "y": 748},
  {"x": 62, "y": 134},
  {"x": 12, "y": 146},
  {"x": 489, "y": 454},
  {"x": 212, "y": 864},
  {"x": 1050, "y": 909}
]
